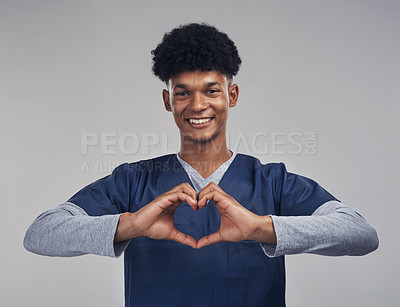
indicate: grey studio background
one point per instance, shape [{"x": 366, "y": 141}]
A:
[{"x": 319, "y": 90}]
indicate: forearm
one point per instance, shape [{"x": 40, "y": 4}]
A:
[
  {"x": 332, "y": 230},
  {"x": 68, "y": 231}
]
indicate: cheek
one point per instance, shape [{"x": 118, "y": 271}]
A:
[
  {"x": 176, "y": 111},
  {"x": 178, "y": 117},
  {"x": 223, "y": 110},
  {"x": 178, "y": 106}
]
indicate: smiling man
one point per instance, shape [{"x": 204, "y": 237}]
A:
[
  {"x": 205, "y": 226},
  {"x": 200, "y": 103}
]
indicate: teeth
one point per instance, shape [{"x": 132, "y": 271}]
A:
[{"x": 199, "y": 121}]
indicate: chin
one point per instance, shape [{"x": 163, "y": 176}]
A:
[{"x": 201, "y": 139}]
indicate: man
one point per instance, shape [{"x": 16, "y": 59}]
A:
[{"x": 206, "y": 226}]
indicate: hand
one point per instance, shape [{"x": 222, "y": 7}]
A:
[
  {"x": 237, "y": 223},
  {"x": 156, "y": 219}
]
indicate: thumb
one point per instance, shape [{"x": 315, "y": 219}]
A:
[
  {"x": 210, "y": 239},
  {"x": 182, "y": 238}
]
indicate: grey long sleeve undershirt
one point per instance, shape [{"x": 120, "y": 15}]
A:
[
  {"x": 68, "y": 231},
  {"x": 333, "y": 230}
]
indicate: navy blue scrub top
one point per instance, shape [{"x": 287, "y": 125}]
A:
[{"x": 166, "y": 273}]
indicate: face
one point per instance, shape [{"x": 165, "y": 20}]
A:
[{"x": 199, "y": 102}]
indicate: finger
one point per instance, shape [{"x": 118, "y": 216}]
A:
[
  {"x": 186, "y": 188},
  {"x": 192, "y": 202},
  {"x": 182, "y": 238},
  {"x": 177, "y": 198},
  {"x": 211, "y": 187},
  {"x": 210, "y": 239},
  {"x": 201, "y": 203},
  {"x": 215, "y": 196}
]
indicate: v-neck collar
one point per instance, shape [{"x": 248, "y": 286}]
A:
[{"x": 190, "y": 169}]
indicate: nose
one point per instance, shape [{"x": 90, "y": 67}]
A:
[{"x": 198, "y": 102}]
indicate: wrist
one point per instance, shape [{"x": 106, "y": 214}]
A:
[
  {"x": 126, "y": 228},
  {"x": 265, "y": 232}
]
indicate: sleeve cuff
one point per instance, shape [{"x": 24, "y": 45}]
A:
[
  {"x": 271, "y": 249},
  {"x": 115, "y": 250}
]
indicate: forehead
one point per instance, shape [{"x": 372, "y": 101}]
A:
[{"x": 198, "y": 78}]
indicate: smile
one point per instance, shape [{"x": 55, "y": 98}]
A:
[{"x": 199, "y": 120}]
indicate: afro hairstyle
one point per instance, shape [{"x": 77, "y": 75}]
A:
[{"x": 195, "y": 46}]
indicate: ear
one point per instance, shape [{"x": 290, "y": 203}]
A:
[
  {"x": 167, "y": 104},
  {"x": 233, "y": 95}
]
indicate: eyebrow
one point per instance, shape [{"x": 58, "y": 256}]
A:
[
  {"x": 209, "y": 84},
  {"x": 183, "y": 86}
]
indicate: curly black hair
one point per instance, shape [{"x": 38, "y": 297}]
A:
[{"x": 195, "y": 46}]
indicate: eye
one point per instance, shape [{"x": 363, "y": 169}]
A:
[
  {"x": 212, "y": 91},
  {"x": 180, "y": 94}
]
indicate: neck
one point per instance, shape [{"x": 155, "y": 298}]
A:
[{"x": 204, "y": 157}]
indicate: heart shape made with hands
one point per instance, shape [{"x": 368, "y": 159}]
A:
[{"x": 156, "y": 220}]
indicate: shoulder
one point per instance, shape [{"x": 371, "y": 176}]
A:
[
  {"x": 272, "y": 173},
  {"x": 251, "y": 162}
]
